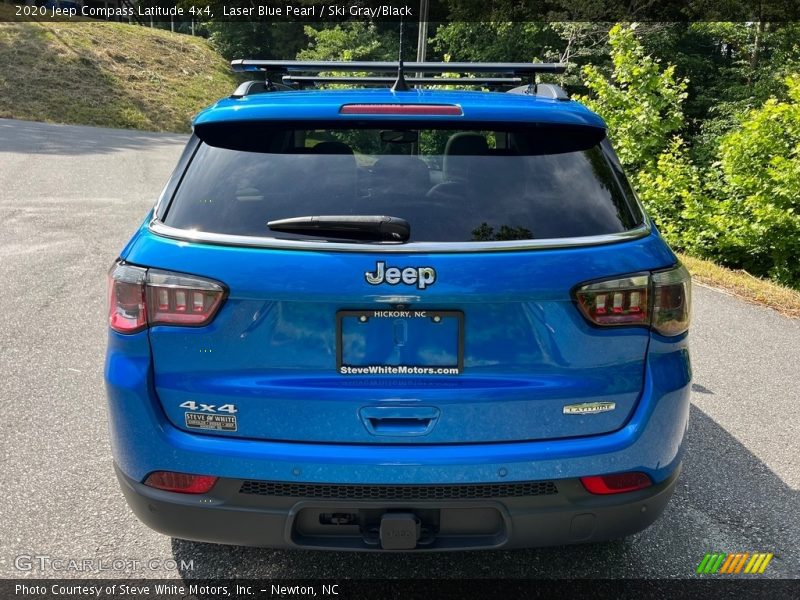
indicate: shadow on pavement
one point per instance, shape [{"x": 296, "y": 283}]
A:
[
  {"x": 28, "y": 137},
  {"x": 727, "y": 500}
]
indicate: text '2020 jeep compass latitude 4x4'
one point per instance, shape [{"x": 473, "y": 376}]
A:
[{"x": 397, "y": 319}]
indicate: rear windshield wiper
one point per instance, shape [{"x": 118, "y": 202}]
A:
[{"x": 354, "y": 227}]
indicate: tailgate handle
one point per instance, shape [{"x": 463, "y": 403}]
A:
[{"x": 399, "y": 420}]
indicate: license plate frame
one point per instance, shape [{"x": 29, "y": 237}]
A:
[{"x": 455, "y": 368}]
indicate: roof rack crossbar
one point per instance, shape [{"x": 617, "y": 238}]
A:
[
  {"x": 305, "y": 80},
  {"x": 298, "y": 66}
]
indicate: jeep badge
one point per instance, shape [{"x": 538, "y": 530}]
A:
[{"x": 422, "y": 277}]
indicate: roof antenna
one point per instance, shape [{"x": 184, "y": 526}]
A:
[
  {"x": 268, "y": 85},
  {"x": 400, "y": 84},
  {"x": 533, "y": 85}
]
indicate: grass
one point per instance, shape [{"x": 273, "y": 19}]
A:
[
  {"x": 745, "y": 286},
  {"x": 107, "y": 74}
]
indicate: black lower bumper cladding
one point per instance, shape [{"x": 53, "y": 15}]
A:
[{"x": 345, "y": 517}]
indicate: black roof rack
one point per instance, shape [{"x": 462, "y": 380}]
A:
[
  {"x": 300, "y": 74},
  {"x": 301, "y": 66},
  {"x": 306, "y": 80}
]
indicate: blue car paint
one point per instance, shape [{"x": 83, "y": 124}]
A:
[{"x": 144, "y": 440}]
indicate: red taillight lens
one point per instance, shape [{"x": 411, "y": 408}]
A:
[
  {"x": 621, "y": 301},
  {"x": 182, "y": 483},
  {"x": 177, "y": 299},
  {"x": 661, "y": 299},
  {"x": 618, "y": 483},
  {"x": 140, "y": 297},
  {"x": 127, "y": 311},
  {"x": 401, "y": 109}
]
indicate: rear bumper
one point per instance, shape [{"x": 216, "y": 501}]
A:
[
  {"x": 143, "y": 440},
  {"x": 561, "y": 513}
]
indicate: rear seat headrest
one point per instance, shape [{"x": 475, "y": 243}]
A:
[
  {"x": 460, "y": 145},
  {"x": 331, "y": 148},
  {"x": 466, "y": 143}
]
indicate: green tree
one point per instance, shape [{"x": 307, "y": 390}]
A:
[
  {"x": 759, "y": 189},
  {"x": 493, "y": 41},
  {"x": 279, "y": 40},
  {"x": 672, "y": 188},
  {"x": 353, "y": 40},
  {"x": 640, "y": 100},
  {"x": 572, "y": 43},
  {"x": 732, "y": 67}
]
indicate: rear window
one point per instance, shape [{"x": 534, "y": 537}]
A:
[{"x": 451, "y": 185}]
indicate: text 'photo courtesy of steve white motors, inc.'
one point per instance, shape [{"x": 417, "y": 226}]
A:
[{"x": 176, "y": 591}]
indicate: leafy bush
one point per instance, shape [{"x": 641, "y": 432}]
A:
[
  {"x": 346, "y": 41},
  {"x": 640, "y": 101},
  {"x": 759, "y": 189},
  {"x": 673, "y": 191}
]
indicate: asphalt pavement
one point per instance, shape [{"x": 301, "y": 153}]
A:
[{"x": 70, "y": 197}]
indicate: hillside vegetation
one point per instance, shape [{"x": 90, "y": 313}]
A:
[{"x": 107, "y": 74}]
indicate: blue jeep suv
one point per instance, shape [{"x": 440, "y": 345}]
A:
[{"x": 397, "y": 319}]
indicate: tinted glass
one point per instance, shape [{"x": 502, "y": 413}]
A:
[{"x": 450, "y": 185}]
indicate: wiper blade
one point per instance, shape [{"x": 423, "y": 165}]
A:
[{"x": 354, "y": 227}]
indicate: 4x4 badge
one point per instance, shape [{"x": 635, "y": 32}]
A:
[{"x": 422, "y": 277}]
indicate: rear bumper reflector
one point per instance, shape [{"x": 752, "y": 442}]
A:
[
  {"x": 182, "y": 483},
  {"x": 618, "y": 483}
]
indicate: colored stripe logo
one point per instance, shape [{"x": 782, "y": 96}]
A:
[{"x": 734, "y": 564}]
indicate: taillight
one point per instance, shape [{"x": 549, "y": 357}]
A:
[
  {"x": 621, "y": 301},
  {"x": 127, "y": 311},
  {"x": 178, "y": 299},
  {"x": 661, "y": 300},
  {"x": 182, "y": 483},
  {"x": 141, "y": 297},
  {"x": 672, "y": 301},
  {"x": 618, "y": 483}
]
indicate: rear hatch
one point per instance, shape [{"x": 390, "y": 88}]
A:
[{"x": 465, "y": 332}]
